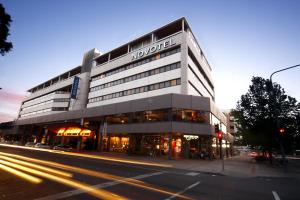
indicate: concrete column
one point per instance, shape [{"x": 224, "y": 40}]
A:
[
  {"x": 184, "y": 64},
  {"x": 227, "y": 153},
  {"x": 79, "y": 143},
  {"x": 99, "y": 138},
  {"x": 170, "y": 147}
]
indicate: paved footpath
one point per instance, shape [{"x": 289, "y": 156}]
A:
[{"x": 238, "y": 166}]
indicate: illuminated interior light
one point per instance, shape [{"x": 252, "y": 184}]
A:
[
  {"x": 22, "y": 175},
  {"x": 99, "y": 193},
  {"x": 47, "y": 169}
]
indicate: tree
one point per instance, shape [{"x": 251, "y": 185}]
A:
[
  {"x": 262, "y": 110},
  {"x": 5, "y": 20}
]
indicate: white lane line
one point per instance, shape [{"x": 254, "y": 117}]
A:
[
  {"x": 182, "y": 191},
  {"x": 101, "y": 185},
  {"x": 192, "y": 174},
  {"x": 276, "y": 196}
]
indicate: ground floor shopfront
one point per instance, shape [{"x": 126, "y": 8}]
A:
[
  {"x": 171, "y": 145},
  {"x": 172, "y": 125}
]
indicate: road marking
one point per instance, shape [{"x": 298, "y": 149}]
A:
[
  {"x": 182, "y": 191},
  {"x": 192, "y": 174},
  {"x": 101, "y": 185},
  {"x": 276, "y": 196}
]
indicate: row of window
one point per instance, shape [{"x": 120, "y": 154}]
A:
[
  {"x": 137, "y": 76},
  {"x": 135, "y": 64},
  {"x": 47, "y": 102},
  {"x": 142, "y": 89},
  {"x": 184, "y": 115},
  {"x": 36, "y": 112},
  {"x": 45, "y": 110},
  {"x": 36, "y": 100}
]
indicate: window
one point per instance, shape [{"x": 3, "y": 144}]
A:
[
  {"x": 162, "y": 85},
  {"x": 167, "y": 84},
  {"x": 173, "y": 82}
]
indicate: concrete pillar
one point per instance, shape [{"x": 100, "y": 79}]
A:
[
  {"x": 170, "y": 147},
  {"x": 79, "y": 142},
  {"x": 99, "y": 138}
]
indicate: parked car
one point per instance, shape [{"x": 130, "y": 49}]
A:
[
  {"x": 30, "y": 144},
  {"x": 63, "y": 147},
  {"x": 17, "y": 143},
  {"x": 42, "y": 146}
]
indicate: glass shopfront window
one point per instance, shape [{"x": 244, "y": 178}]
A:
[
  {"x": 190, "y": 116},
  {"x": 119, "y": 143},
  {"x": 150, "y": 116},
  {"x": 118, "y": 119}
]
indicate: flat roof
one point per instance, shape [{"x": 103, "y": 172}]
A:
[{"x": 53, "y": 78}]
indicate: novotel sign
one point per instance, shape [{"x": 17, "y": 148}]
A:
[{"x": 153, "y": 48}]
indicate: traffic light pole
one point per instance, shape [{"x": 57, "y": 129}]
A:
[
  {"x": 221, "y": 153},
  {"x": 276, "y": 117}
]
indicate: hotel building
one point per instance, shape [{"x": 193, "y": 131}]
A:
[{"x": 154, "y": 94}]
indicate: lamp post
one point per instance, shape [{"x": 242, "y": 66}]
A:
[{"x": 276, "y": 111}]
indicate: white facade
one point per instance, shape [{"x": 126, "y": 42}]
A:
[
  {"x": 116, "y": 80},
  {"x": 167, "y": 60}
]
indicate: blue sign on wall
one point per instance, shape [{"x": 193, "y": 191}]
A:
[{"x": 74, "y": 87}]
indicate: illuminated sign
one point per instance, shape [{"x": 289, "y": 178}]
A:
[
  {"x": 74, "y": 131},
  {"x": 85, "y": 132},
  {"x": 151, "y": 49},
  {"x": 191, "y": 137}
]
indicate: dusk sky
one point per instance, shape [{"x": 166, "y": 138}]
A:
[{"x": 240, "y": 39}]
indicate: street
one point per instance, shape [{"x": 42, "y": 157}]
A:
[{"x": 61, "y": 176}]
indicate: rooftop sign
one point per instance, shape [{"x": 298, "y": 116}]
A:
[{"x": 153, "y": 48}]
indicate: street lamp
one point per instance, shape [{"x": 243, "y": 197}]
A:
[{"x": 276, "y": 113}]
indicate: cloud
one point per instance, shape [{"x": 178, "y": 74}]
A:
[
  {"x": 9, "y": 105},
  {"x": 12, "y": 98},
  {"x": 5, "y": 117}
]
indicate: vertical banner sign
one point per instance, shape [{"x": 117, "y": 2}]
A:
[{"x": 74, "y": 87}]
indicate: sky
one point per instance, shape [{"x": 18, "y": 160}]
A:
[{"x": 240, "y": 39}]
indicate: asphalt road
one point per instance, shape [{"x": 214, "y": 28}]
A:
[{"x": 88, "y": 178}]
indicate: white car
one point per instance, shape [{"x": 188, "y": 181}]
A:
[
  {"x": 42, "y": 146},
  {"x": 29, "y": 144}
]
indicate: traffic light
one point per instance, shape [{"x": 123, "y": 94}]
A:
[
  {"x": 281, "y": 131},
  {"x": 220, "y": 135}
]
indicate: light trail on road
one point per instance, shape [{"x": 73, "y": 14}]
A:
[
  {"x": 98, "y": 157},
  {"x": 22, "y": 175},
  {"x": 124, "y": 180},
  {"x": 47, "y": 169},
  {"x": 99, "y": 193}
]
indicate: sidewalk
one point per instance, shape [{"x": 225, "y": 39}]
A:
[{"x": 237, "y": 166}]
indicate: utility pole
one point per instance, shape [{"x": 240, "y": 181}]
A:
[{"x": 277, "y": 114}]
